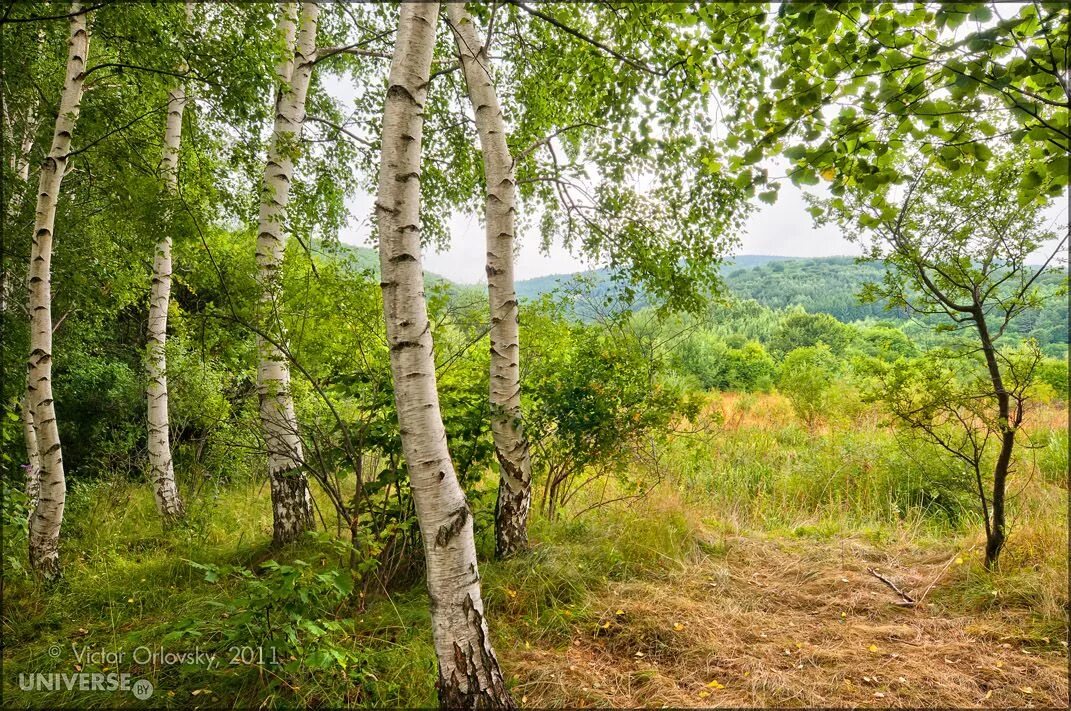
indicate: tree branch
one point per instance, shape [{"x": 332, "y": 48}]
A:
[
  {"x": 9, "y": 21},
  {"x": 584, "y": 38}
]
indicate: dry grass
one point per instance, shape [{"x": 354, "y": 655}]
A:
[
  {"x": 797, "y": 623},
  {"x": 765, "y": 411}
]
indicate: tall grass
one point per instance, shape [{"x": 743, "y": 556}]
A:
[{"x": 763, "y": 469}]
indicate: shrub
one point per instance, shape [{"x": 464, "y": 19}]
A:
[
  {"x": 802, "y": 330},
  {"x": 806, "y": 377},
  {"x": 596, "y": 394}
]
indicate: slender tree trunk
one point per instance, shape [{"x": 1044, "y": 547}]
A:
[
  {"x": 20, "y": 159},
  {"x": 162, "y": 470},
  {"x": 469, "y": 675},
  {"x": 996, "y": 533},
  {"x": 48, "y": 515},
  {"x": 20, "y": 167},
  {"x": 511, "y": 446},
  {"x": 290, "y": 496}
]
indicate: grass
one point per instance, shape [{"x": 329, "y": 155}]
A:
[
  {"x": 776, "y": 622},
  {"x": 747, "y": 567}
]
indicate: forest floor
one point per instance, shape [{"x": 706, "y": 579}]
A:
[
  {"x": 775, "y": 622},
  {"x": 644, "y": 607}
]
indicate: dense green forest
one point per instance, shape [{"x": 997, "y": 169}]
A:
[
  {"x": 834, "y": 286},
  {"x": 246, "y": 464}
]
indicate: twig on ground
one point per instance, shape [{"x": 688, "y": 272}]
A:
[{"x": 908, "y": 600}]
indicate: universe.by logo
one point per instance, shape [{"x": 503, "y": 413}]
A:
[{"x": 86, "y": 681}]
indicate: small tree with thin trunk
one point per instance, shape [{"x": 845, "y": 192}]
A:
[
  {"x": 290, "y": 496},
  {"x": 958, "y": 249},
  {"x": 161, "y": 466},
  {"x": 511, "y": 445}
]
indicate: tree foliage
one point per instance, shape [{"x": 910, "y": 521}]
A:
[{"x": 843, "y": 92}]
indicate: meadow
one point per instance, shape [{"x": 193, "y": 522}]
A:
[{"x": 739, "y": 578}]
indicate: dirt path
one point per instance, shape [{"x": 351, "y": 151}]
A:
[{"x": 776, "y": 623}]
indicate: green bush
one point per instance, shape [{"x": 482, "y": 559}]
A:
[
  {"x": 594, "y": 394},
  {"x": 806, "y": 378},
  {"x": 1053, "y": 372},
  {"x": 101, "y": 412},
  {"x": 803, "y": 330},
  {"x": 738, "y": 364},
  {"x": 281, "y": 617}
]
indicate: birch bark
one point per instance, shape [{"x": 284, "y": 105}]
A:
[
  {"x": 20, "y": 167},
  {"x": 469, "y": 675},
  {"x": 291, "y": 499},
  {"x": 161, "y": 467},
  {"x": 20, "y": 160},
  {"x": 33, "y": 455},
  {"x": 511, "y": 446},
  {"x": 48, "y": 514}
]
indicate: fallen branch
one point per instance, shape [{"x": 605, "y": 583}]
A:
[{"x": 908, "y": 600}]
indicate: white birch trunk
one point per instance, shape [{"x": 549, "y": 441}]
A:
[
  {"x": 291, "y": 499},
  {"x": 20, "y": 166},
  {"x": 469, "y": 675},
  {"x": 33, "y": 456},
  {"x": 161, "y": 467},
  {"x": 511, "y": 446},
  {"x": 48, "y": 514},
  {"x": 20, "y": 160}
]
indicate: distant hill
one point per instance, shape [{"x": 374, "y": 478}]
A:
[
  {"x": 536, "y": 287},
  {"x": 823, "y": 285}
]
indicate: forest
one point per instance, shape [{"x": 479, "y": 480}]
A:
[
  {"x": 832, "y": 285},
  {"x": 255, "y": 455}
]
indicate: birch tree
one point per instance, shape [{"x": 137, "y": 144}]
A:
[
  {"x": 469, "y": 675},
  {"x": 19, "y": 163},
  {"x": 161, "y": 467},
  {"x": 48, "y": 513},
  {"x": 511, "y": 445},
  {"x": 291, "y": 499}
]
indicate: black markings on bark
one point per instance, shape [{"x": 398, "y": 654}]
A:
[
  {"x": 397, "y": 90},
  {"x": 290, "y": 503},
  {"x": 511, "y": 510},
  {"x": 448, "y": 530},
  {"x": 476, "y": 680}
]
